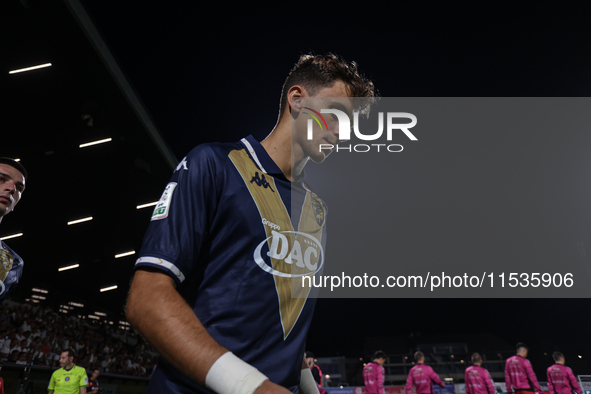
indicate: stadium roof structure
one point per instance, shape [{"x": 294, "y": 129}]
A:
[{"x": 95, "y": 159}]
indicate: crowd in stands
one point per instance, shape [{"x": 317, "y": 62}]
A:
[{"x": 36, "y": 335}]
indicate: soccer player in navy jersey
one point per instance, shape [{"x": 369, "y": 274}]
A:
[
  {"x": 12, "y": 185},
  {"x": 218, "y": 286}
]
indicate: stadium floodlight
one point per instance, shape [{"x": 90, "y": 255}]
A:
[
  {"x": 125, "y": 254},
  {"x": 580, "y": 356},
  {"x": 80, "y": 220},
  {"x": 22, "y": 70},
  {"x": 38, "y": 297},
  {"x": 76, "y": 304},
  {"x": 150, "y": 204},
  {"x": 40, "y": 290},
  {"x": 11, "y": 236},
  {"x": 36, "y": 301},
  {"x": 100, "y": 314},
  {"x": 95, "y": 142},
  {"x": 94, "y": 317},
  {"x": 69, "y": 267},
  {"x": 108, "y": 288}
]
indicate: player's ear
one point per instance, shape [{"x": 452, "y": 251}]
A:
[{"x": 294, "y": 99}]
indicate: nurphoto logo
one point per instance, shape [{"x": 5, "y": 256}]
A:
[{"x": 344, "y": 124}]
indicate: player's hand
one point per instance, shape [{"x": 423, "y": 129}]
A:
[
  {"x": 269, "y": 387},
  {"x": 442, "y": 385}
]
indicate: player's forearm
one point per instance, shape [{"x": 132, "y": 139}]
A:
[
  {"x": 82, "y": 390},
  {"x": 162, "y": 316}
]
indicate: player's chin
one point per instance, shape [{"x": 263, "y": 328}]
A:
[{"x": 320, "y": 156}]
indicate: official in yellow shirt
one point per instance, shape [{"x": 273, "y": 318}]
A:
[{"x": 69, "y": 379}]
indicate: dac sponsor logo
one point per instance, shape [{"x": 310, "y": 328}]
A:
[{"x": 295, "y": 248}]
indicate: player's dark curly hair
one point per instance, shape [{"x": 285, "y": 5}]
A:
[
  {"x": 418, "y": 356},
  {"x": 379, "y": 354},
  {"x": 557, "y": 356},
  {"x": 314, "y": 72}
]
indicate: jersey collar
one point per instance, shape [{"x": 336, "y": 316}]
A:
[{"x": 260, "y": 156}]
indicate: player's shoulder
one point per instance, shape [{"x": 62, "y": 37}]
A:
[
  {"x": 17, "y": 259},
  {"x": 80, "y": 370},
  {"x": 213, "y": 150}
]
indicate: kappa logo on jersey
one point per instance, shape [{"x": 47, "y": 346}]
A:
[
  {"x": 294, "y": 248},
  {"x": 261, "y": 181},
  {"x": 163, "y": 206},
  {"x": 182, "y": 164}
]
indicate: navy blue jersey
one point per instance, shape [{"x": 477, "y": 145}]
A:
[
  {"x": 11, "y": 269},
  {"x": 238, "y": 238}
]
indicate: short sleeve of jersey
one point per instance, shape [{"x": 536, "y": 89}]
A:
[
  {"x": 51, "y": 386},
  {"x": 181, "y": 219},
  {"x": 83, "y": 377}
]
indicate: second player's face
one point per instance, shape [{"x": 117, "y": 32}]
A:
[
  {"x": 12, "y": 185},
  {"x": 336, "y": 96}
]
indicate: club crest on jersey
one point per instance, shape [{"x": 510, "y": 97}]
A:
[
  {"x": 6, "y": 259},
  {"x": 318, "y": 210},
  {"x": 163, "y": 206},
  {"x": 294, "y": 248}
]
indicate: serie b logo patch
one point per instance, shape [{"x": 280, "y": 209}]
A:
[{"x": 163, "y": 206}]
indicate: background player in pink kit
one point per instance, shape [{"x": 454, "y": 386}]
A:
[
  {"x": 422, "y": 376},
  {"x": 561, "y": 379},
  {"x": 478, "y": 380},
  {"x": 519, "y": 374},
  {"x": 373, "y": 374}
]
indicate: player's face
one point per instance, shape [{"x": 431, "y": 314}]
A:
[
  {"x": 95, "y": 374},
  {"x": 381, "y": 361},
  {"x": 12, "y": 185},
  {"x": 65, "y": 359},
  {"x": 335, "y": 97}
]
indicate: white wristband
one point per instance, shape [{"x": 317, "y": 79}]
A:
[
  {"x": 231, "y": 375},
  {"x": 307, "y": 382}
]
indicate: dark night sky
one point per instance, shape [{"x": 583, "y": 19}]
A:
[{"x": 209, "y": 72}]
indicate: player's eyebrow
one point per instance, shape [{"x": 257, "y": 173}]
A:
[{"x": 18, "y": 183}]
